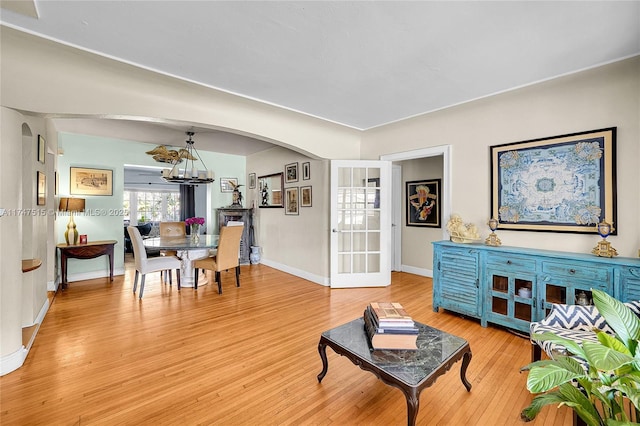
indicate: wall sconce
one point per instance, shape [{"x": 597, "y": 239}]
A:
[{"x": 71, "y": 205}]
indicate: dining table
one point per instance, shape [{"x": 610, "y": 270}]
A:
[{"x": 188, "y": 248}]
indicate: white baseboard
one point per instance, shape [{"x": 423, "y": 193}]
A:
[
  {"x": 91, "y": 275},
  {"x": 52, "y": 285},
  {"x": 325, "y": 281},
  {"x": 43, "y": 311},
  {"x": 418, "y": 271},
  {"x": 41, "y": 314},
  {"x": 297, "y": 272},
  {"x": 13, "y": 361}
]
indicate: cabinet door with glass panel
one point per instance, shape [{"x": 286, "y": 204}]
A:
[
  {"x": 511, "y": 291},
  {"x": 571, "y": 284}
]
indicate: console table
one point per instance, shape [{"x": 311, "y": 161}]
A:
[
  {"x": 514, "y": 286},
  {"x": 89, "y": 250}
]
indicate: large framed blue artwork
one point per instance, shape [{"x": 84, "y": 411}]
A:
[{"x": 563, "y": 183}]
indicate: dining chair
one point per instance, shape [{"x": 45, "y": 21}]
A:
[
  {"x": 145, "y": 265},
  {"x": 226, "y": 258},
  {"x": 172, "y": 229}
]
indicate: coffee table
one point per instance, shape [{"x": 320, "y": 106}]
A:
[{"x": 409, "y": 371}]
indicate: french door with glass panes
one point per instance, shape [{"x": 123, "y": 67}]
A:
[{"x": 360, "y": 223}]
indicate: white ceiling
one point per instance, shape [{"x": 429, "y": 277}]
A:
[{"x": 358, "y": 63}]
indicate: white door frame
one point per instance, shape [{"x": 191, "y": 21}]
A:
[
  {"x": 396, "y": 217},
  {"x": 447, "y": 187}
]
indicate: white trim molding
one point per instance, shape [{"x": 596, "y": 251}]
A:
[
  {"x": 417, "y": 271},
  {"x": 13, "y": 361},
  {"x": 297, "y": 272},
  {"x": 447, "y": 173}
]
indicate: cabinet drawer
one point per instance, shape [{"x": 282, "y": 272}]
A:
[
  {"x": 508, "y": 263},
  {"x": 577, "y": 271}
]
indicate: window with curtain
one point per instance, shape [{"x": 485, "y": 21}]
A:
[{"x": 150, "y": 206}]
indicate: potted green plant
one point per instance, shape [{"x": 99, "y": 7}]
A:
[{"x": 600, "y": 394}]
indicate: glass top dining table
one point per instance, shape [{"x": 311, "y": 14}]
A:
[
  {"x": 182, "y": 242},
  {"x": 188, "y": 249}
]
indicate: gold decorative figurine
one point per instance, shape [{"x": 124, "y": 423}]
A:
[
  {"x": 492, "y": 239},
  {"x": 461, "y": 232},
  {"x": 604, "y": 249}
]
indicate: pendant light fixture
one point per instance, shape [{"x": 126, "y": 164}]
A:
[{"x": 190, "y": 174}]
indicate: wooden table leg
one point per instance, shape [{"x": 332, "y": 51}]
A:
[
  {"x": 466, "y": 359},
  {"x": 322, "y": 349},
  {"x": 110, "y": 254},
  {"x": 63, "y": 265},
  {"x": 413, "y": 405}
]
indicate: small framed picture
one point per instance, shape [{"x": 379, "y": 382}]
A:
[
  {"x": 83, "y": 239},
  {"x": 291, "y": 173},
  {"x": 305, "y": 196},
  {"x": 42, "y": 149},
  {"x": 306, "y": 171},
  {"x": 228, "y": 184},
  {"x": 291, "y": 201},
  {"x": 85, "y": 181},
  {"x": 252, "y": 180},
  {"x": 42, "y": 189}
]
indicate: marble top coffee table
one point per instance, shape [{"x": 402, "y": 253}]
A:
[{"x": 409, "y": 371}]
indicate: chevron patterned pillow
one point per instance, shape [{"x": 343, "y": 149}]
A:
[{"x": 576, "y": 317}]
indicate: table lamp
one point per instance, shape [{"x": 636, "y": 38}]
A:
[{"x": 71, "y": 205}]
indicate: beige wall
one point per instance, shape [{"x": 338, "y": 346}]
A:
[
  {"x": 603, "y": 97},
  {"x": 10, "y": 235},
  {"x": 417, "y": 251},
  {"x": 297, "y": 244},
  {"x": 24, "y": 231}
]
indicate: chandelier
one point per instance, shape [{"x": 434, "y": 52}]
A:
[{"x": 190, "y": 174}]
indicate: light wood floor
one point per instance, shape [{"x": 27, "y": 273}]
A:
[{"x": 246, "y": 357}]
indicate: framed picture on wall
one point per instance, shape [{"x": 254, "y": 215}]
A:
[
  {"x": 252, "y": 180},
  {"x": 228, "y": 184},
  {"x": 562, "y": 183},
  {"x": 306, "y": 171},
  {"x": 291, "y": 173},
  {"x": 305, "y": 196},
  {"x": 84, "y": 181},
  {"x": 41, "y": 196},
  {"x": 291, "y": 201},
  {"x": 42, "y": 149},
  {"x": 423, "y": 203}
]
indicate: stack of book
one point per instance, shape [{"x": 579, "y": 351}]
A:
[{"x": 389, "y": 326}]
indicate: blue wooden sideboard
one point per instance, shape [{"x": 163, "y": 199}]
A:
[{"x": 513, "y": 286}]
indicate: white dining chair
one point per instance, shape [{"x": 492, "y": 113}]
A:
[{"x": 146, "y": 265}]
